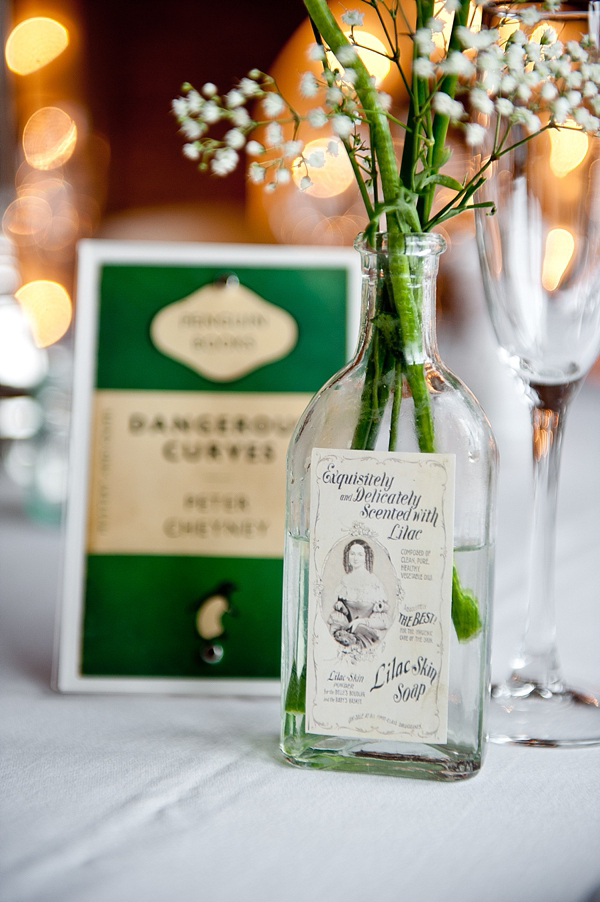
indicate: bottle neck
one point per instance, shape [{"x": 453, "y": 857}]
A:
[{"x": 384, "y": 309}]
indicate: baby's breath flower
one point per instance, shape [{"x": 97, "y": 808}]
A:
[
  {"x": 353, "y": 17},
  {"x": 533, "y": 51},
  {"x": 273, "y": 134},
  {"x": 309, "y": 85},
  {"x": 548, "y": 36},
  {"x": 524, "y": 92},
  {"x": 283, "y": 176},
  {"x": 333, "y": 148},
  {"x": 574, "y": 79},
  {"x": 273, "y": 105},
  {"x": 504, "y": 106},
  {"x": 334, "y": 96},
  {"x": 191, "y": 129},
  {"x": 350, "y": 76},
  {"x": 436, "y": 25},
  {"x": 248, "y": 87},
  {"x": 424, "y": 42},
  {"x": 560, "y": 109},
  {"x": 385, "y": 100},
  {"x": 529, "y": 16},
  {"x": 191, "y": 151},
  {"x": 317, "y": 118},
  {"x": 549, "y": 91},
  {"x": 517, "y": 38},
  {"x": 590, "y": 89},
  {"x": 305, "y": 183},
  {"x": 423, "y": 67},
  {"x": 456, "y": 63},
  {"x": 180, "y": 107},
  {"x": 585, "y": 119},
  {"x": 292, "y": 149},
  {"x": 316, "y": 52},
  {"x": 254, "y": 73},
  {"x": 240, "y": 117},
  {"x": 224, "y": 161},
  {"x": 346, "y": 55},
  {"x": 452, "y": 6},
  {"x": 211, "y": 112},
  {"x": 476, "y": 40},
  {"x": 343, "y": 126},
  {"x": 446, "y": 106},
  {"x": 481, "y": 101},
  {"x": 515, "y": 57},
  {"x": 574, "y": 98},
  {"x": 509, "y": 84},
  {"x": 474, "y": 134},
  {"x": 195, "y": 101},
  {"x": 576, "y": 51},
  {"x": 235, "y": 138},
  {"x": 529, "y": 119},
  {"x": 256, "y": 173},
  {"x": 554, "y": 51},
  {"x": 316, "y": 159},
  {"x": 209, "y": 90},
  {"x": 254, "y": 149}
]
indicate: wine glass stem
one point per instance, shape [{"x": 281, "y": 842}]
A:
[{"x": 538, "y": 662}]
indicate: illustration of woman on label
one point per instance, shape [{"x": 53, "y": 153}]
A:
[{"x": 360, "y": 615}]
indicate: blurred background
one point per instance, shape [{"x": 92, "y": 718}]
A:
[{"x": 89, "y": 147}]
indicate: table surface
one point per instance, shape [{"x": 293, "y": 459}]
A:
[{"x": 129, "y": 797}]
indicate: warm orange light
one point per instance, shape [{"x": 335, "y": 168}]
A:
[
  {"x": 372, "y": 52},
  {"x": 568, "y": 148},
  {"x": 34, "y": 43},
  {"x": 441, "y": 39},
  {"x": 49, "y": 308},
  {"x": 49, "y": 138},
  {"x": 25, "y": 218},
  {"x": 332, "y": 178},
  {"x": 560, "y": 245}
]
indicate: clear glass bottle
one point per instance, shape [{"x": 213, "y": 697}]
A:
[{"x": 385, "y": 564}]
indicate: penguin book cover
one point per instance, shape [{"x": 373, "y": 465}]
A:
[{"x": 192, "y": 366}]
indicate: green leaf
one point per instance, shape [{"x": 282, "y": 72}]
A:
[
  {"x": 436, "y": 178},
  {"x": 465, "y": 610},
  {"x": 295, "y": 699}
]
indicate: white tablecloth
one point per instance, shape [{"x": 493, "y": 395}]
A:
[{"x": 127, "y": 798}]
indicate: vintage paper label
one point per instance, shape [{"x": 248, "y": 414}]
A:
[
  {"x": 224, "y": 331},
  {"x": 380, "y": 596},
  {"x": 190, "y": 473}
]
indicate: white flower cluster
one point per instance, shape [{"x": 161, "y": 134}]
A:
[
  {"x": 518, "y": 79},
  {"x": 274, "y": 157}
]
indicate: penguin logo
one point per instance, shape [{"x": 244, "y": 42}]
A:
[{"x": 210, "y": 609}]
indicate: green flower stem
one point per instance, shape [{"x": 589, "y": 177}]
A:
[
  {"x": 441, "y": 123},
  {"x": 401, "y": 219}
]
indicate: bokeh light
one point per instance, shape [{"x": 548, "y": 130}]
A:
[
  {"x": 371, "y": 51},
  {"x": 328, "y": 180},
  {"x": 34, "y": 43},
  {"x": 49, "y": 309},
  {"x": 568, "y": 148},
  {"x": 26, "y": 218},
  {"x": 560, "y": 245},
  {"x": 49, "y": 138}
]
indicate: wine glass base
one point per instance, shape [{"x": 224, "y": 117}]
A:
[{"x": 526, "y": 714}]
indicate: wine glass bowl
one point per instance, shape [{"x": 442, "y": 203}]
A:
[{"x": 539, "y": 254}]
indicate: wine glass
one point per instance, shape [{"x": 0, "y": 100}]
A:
[{"x": 540, "y": 260}]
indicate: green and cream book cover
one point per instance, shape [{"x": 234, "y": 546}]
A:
[{"x": 193, "y": 364}]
